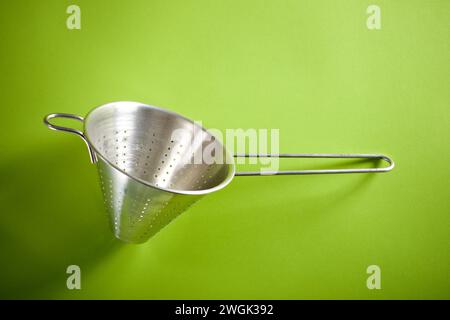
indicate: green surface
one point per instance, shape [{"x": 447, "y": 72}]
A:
[{"x": 311, "y": 69}]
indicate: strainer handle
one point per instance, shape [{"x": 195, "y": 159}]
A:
[
  {"x": 321, "y": 171},
  {"x": 47, "y": 119}
]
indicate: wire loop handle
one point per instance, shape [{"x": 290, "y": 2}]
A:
[
  {"x": 317, "y": 155},
  {"x": 47, "y": 119},
  {"x": 385, "y": 158}
]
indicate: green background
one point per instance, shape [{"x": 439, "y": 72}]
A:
[{"x": 309, "y": 68}]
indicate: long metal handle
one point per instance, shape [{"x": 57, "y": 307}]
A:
[
  {"x": 318, "y": 155},
  {"x": 47, "y": 119}
]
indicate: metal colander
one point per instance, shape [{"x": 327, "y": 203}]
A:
[{"x": 147, "y": 167}]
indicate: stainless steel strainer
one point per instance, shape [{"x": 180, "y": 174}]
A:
[{"x": 148, "y": 174}]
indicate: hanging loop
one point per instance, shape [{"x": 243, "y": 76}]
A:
[{"x": 47, "y": 119}]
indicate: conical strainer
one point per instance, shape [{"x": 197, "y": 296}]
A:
[{"x": 148, "y": 169}]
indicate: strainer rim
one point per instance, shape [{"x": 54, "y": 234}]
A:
[{"x": 220, "y": 186}]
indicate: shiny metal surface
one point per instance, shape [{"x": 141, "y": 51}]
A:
[
  {"x": 137, "y": 211},
  {"x": 149, "y": 174},
  {"x": 139, "y": 141},
  {"x": 316, "y": 156},
  {"x": 145, "y": 172}
]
